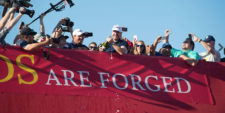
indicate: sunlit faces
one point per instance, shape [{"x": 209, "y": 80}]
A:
[
  {"x": 62, "y": 42},
  {"x": 211, "y": 44},
  {"x": 29, "y": 38},
  {"x": 165, "y": 51},
  {"x": 116, "y": 35},
  {"x": 92, "y": 47},
  {"x": 186, "y": 46},
  {"x": 78, "y": 39},
  {"x": 140, "y": 47}
]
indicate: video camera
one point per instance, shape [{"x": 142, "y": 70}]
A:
[
  {"x": 70, "y": 3},
  {"x": 124, "y": 29},
  {"x": 17, "y": 4},
  {"x": 56, "y": 40},
  {"x": 67, "y": 23},
  {"x": 24, "y": 3},
  {"x": 87, "y": 34}
]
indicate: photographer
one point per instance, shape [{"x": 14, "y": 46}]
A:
[
  {"x": 116, "y": 44},
  {"x": 28, "y": 43},
  {"x": 78, "y": 38},
  {"x": 4, "y": 29}
]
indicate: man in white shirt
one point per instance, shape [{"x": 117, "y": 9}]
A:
[{"x": 211, "y": 55}]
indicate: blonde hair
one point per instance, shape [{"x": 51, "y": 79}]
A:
[{"x": 143, "y": 52}]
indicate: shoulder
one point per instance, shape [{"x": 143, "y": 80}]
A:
[
  {"x": 122, "y": 43},
  {"x": 217, "y": 53},
  {"x": 67, "y": 45},
  {"x": 21, "y": 43},
  {"x": 193, "y": 52},
  {"x": 175, "y": 51},
  {"x": 84, "y": 47}
]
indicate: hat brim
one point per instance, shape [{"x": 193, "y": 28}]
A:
[
  {"x": 33, "y": 33},
  {"x": 207, "y": 40},
  {"x": 168, "y": 46}
]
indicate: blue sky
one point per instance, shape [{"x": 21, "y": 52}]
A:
[{"x": 145, "y": 18}]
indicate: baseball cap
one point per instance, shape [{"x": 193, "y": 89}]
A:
[
  {"x": 166, "y": 45},
  {"x": 77, "y": 32},
  {"x": 63, "y": 36},
  {"x": 209, "y": 38},
  {"x": 27, "y": 31},
  {"x": 117, "y": 28}
]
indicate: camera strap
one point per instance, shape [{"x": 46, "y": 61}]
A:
[{"x": 46, "y": 53}]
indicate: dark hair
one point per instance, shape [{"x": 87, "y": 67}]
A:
[
  {"x": 189, "y": 40},
  {"x": 93, "y": 43}
]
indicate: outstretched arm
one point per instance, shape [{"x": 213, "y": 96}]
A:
[
  {"x": 42, "y": 27},
  {"x": 6, "y": 17},
  {"x": 190, "y": 61},
  {"x": 33, "y": 46},
  {"x": 204, "y": 44},
  {"x": 120, "y": 50},
  {"x": 157, "y": 40},
  {"x": 16, "y": 19},
  {"x": 167, "y": 33}
]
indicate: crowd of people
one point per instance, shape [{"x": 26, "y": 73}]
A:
[{"x": 28, "y": 39}]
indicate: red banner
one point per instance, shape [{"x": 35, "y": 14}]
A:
[{"x": 71, "y": 72}]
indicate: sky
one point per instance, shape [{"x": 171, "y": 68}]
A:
[{"x": 145, "y": 18}]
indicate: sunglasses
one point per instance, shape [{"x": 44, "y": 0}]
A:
[
  {"x": 139, "y": 45},
  {"x": 92, "y": 47}
]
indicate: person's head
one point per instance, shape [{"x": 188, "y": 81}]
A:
[
  {"x": 62, "y": 41},
  {"x": 210, "y": 41},
  {"x": 93, "y": 46},
  {"x": 141, "y": 49},
  {"x": 78, "y": 36},
  {"x": 57, "y": 33},
  {"x": 188, "y": 44},
  {"x": 28, "y": 34},
  {"x": 224, "y": 51},
  {"x": 166, "y": 49},
  {"x": 116, "y": 32}
]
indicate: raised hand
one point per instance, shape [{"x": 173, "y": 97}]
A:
[
  {"x": 109, "y": 39},
  {"x": 158, "y": 39},
  {"x": 167, "y": 32},
  {"x": 195, "y": 38},
  {"x": 135, "y": 39}
]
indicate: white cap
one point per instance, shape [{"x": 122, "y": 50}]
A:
[
  {"x": 77, "y": 32},
  {"x": 117, "y": 28}
]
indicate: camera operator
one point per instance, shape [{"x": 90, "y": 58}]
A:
[
  {"x": 77, "y": 43},
  {"x": 28, "y": 43},
  {"x": 116, "y": 44},
  {"x": 5, "y": 28}
]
